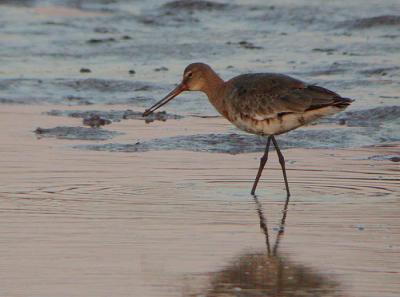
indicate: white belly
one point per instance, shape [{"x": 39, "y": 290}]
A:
[{"x": 281, "y": 124}]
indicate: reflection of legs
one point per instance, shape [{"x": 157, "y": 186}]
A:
[
  {"x": 281, "y": 227},
  {"x": 263, "y": 160},
  {"x": 263, "y": 223},
  {"x": 264, "y": 227},
  {"x": 282, "y": 162}
]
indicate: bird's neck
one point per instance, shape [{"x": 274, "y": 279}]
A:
[{"x": 214, "y": 89}]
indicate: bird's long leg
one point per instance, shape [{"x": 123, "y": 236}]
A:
[
  {"x": 263, "y": 161},
  {"x": 282, "y": 162}
]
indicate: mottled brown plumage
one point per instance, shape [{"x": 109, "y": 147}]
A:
[
  {"x": 260, "y": 103},
  {"x": 271, "y": 104}
]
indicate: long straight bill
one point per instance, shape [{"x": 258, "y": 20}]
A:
[{"x": 175, "y": 92}]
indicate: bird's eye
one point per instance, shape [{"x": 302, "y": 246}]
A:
[{"x": 190, "y": 75}]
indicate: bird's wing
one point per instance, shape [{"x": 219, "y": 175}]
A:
[{"x": 265, "y": 95}]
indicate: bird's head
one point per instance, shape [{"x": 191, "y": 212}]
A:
[
  {"x": 196, "y": 75},
  {"x": 194, "y": 78}
]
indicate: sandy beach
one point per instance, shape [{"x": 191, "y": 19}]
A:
[{"x": 84, "y": 223}]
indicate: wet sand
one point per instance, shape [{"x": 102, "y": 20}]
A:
[
  {"x": 163, "y": 209},
  {"x": 178, "y": 223}
]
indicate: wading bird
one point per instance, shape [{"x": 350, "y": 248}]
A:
[{"x": 266, "y": 104}]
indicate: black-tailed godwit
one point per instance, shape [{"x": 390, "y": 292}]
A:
[{"x": 265, "y": 104}]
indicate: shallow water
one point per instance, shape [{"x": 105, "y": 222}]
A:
[
  {"x": 177, "y": 223},
  {"x": 345, "y": 46},
  {"x": 162, "y": 216}
]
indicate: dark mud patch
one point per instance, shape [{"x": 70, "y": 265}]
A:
[
  {"x": 390, "y": 36},
  {"x": 105, "y": 30},
  {"x": 76, "y": 91},
  {"x": 376, "y": 83},
  {"x": 167, "y": 18},
  {"x": 104, "y": 85},
  {"x": 8, "y": 101},
  {"x": 26, "y": 3},
  {"x": 328, "y": 51},
  {"x": 244, "y": 143},
  {"x": 95, "y": 121},
  {"x": 372, "y": 22},
  {"x": 176, "y": 13},
  {"x": 85, "y": 70},
  {"x": 194, "y": 5},
  {"x": 381, "y": 71},
  {"x": 392, "y": 158},
  {"x": 162, "y": 68},
  {"x": 76, "y": 133},
  {"x": 116, "y": 115},
  {"x": 214, "y": 143},
  {"x": 107, "y": 40},
  {"x": 332, "y": 69},
  {"x": 244, "y": 44},
  {"x": 101, "y": 40},
  {"x": 373, "y": 117},
  {"x": 76, "y": 100},
  {"x": 156, "y": 116},
  {"x": 299, "y": 16}
]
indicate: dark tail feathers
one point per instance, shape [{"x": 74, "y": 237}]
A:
[{"x": 342, "y": 102}]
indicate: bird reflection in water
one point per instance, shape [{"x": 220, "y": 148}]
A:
[{"x": 268, "y": 273}]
